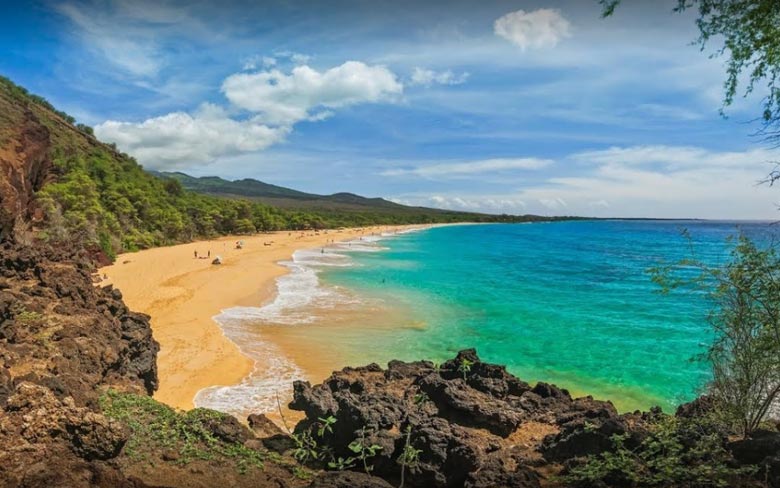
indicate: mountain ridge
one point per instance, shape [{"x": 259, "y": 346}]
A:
[{"x": 287, "y": 197}]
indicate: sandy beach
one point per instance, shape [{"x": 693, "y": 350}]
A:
[{"x": 182, "y": 293}]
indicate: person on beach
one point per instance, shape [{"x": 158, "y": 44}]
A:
[
  {"x": 196, "y": 254},
  {"x": 209, "y": 254}
]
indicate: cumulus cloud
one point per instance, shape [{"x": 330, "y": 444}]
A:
[
  {"x": 179, "y": 139},
  {"x": 484, "y": 166},
  {"x": 305, "y": 93},
  {"x": 537, "y": 29},
  {"x": 428, "y": 77},
  {"x": 275, "y": 101}
]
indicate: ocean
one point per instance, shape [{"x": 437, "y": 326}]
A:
[{"x": 570, "y": 303}]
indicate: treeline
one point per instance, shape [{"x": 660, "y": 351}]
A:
[
  {"x": 21, "y": 93},
  {"x": 109, "y": 199},
  {"x": 106, "y": 198}
]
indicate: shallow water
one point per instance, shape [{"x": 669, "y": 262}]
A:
[{"x": 568, "y": 302}]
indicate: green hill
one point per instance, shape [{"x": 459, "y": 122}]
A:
[{"x": 293, "y": 199}]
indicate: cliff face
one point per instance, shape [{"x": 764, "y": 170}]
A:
[
  {"x": 62, "y": 341},
  {"x": 25, "y": 164}
]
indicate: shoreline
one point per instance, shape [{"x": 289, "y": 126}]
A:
[{"x": 183, "y": 295}]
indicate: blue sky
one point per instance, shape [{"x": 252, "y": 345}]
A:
[{"x": 498, "y": 106}]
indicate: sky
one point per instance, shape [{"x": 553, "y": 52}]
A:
[{"x": 496, "y": 106}]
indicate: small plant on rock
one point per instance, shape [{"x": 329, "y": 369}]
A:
[
  {"x": 409, "y": 457},
  {"x": 28, "y": 318},
  {"x": 364, "y": 451},
  {"x": 420, "y": 399},
  {"x": 465, "y": 367},
  {"x": 326, "y": 425},
  {"x": 306, "y": 448},
  {"x": 341, "y": 463}
]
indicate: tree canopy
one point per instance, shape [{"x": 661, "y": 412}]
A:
[{"x": 747, "y": 33}]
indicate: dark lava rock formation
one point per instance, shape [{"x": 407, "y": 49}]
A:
[
  {"x": 472, "y": 423},
  {"x": 61, "y": 342}
]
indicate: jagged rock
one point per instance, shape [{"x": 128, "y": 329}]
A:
[
  {"x": 228, "y": 429},
  {"x": 314, "y": 402},
  {"x": 546, "y": 390},
  {"x": 494, "y": 473},
  {"x": 699, "y": 407},
  {"x": 60, "y": 344},
  {"x": 43, "y": 416},
  {"x": 348, "y": 479},
  {"x": 270, "y": 436},
  {"x": 467, "y": 431},
  {"x": 465, "y": 405},
  {"x": 448, "y": 453},
  {"x": 280, "y": 443},
  {"x": 262, "y": 426},
  {"x": 65, "y": 336},
  {"x": 582, "y": 438}
]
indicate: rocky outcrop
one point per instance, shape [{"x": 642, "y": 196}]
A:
[
  {"x": 60, "y": 331},
  {"x": 63, "y": 341},
  {"x": 470, "y": 423}
]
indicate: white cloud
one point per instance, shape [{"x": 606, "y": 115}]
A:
[
  {"x": 285, "y": 99},
  {"x": 663, "y": 181},
  {"x": 179, "y": 139},
  {"x": 632, "y": 181},
  {"x": 276, "y": 101},
  {"x": 299, "y": 58},
  {"x": 428, "y": 77},
  {"x": 255, "y": 62},
  {"x": 484, "y": 166},
  {"x": 537, "y": 29}
]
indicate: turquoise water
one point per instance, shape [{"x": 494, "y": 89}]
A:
[{"x": 568, "y": 302}]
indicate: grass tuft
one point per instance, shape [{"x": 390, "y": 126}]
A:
[{"x": 157, "y": 428}]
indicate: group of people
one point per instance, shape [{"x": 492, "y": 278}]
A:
[{"x": 207, "y": 256}]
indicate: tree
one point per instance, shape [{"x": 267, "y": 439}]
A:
[
  {"x": 745, "y": 353},
  {"x": 750, "y": 34}
]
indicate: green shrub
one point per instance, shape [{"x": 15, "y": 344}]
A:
[
  {"x": 25, "y": 317},
  {"x": 156, "y": 427},
  {"x": 675, "y": 453}
]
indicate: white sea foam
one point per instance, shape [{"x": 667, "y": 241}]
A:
[
  {"x": 257, "y": 392},
  {"x": 299, "y": 294}
]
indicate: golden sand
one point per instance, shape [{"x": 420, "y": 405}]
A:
[{"x": 182, "y": 294}]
